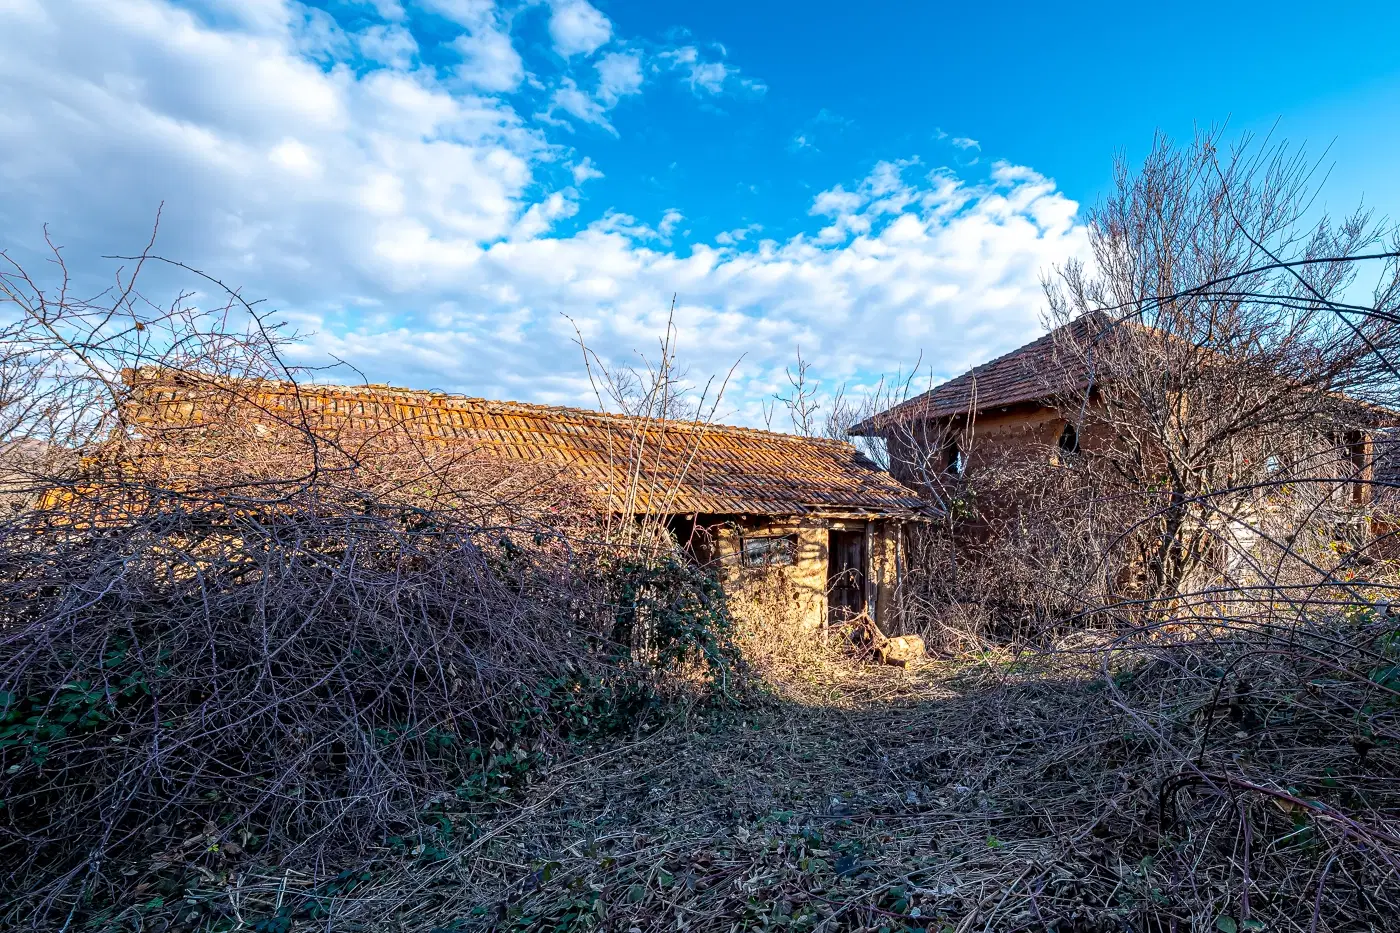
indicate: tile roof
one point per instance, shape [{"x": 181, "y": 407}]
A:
[
  {"x": 1023, "y": 375},
  {"x": 685, "y": 466},
  {"x": 1034, "y": 372}
]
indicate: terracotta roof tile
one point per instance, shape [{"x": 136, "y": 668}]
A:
[
  {"x": 1030, "y": 373},
  {"x": 1023, "y": 375},
  {"x": 686, "y": 466}
]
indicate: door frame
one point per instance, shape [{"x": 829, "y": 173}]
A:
[{"x": 861, "y": 538}]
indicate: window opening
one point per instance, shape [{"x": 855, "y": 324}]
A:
[
  {"x": 1069, "y": 440},
  {"x": 954, "y": 459},
  {"x": 769, "y": 551}
]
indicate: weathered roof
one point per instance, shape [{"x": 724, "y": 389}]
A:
[
  {"x": 1023, "y": 375},
  {"x": 1033, "y": 372},
  {"x": 678, "y": 466}
]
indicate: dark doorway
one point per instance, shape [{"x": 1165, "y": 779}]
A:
[{"x": 845, "y": 579}]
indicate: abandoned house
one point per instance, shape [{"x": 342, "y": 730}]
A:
[
  {"x": 1042, "y": 404},
  {"x": 1024, "y": 402},
  {"x": 813, "y": 511}
]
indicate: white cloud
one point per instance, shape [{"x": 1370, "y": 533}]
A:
[
  {"x": 467, "y": 13},
  {"x": 619, "y": 74},
  {"x": 669, "y": 221},
  {"x": 836, "y": 201},
  {"x": 964, "y": 142},
  {"x": 422, "y": 229},
  {"x": 388, "y": 45},
  {"x": 388, "y": 9},
  {"x": 737, "y": 235},
  {"x": 575, "y": 102},
  {"x": 541, "y": 217},
  {"x": 577, "y": 28},
  {"x": 707, "y": 75},
  {"x": 296, "y": 158},
  {"x": 584, "y": 170},
  {"x": 489, "y": 60}
]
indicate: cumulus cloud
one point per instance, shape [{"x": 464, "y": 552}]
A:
[
  {"x": 619, "y": 74},
  {"x": 577, "y": 103},
  {"x": 388, "y": 44},
  {"x": 577, "y": 27},
  {"x": 584, "y": 170},
  {"x": 737, "y": 235},
  {"x": 669, "y": 220},
  {"x": 388, "y": 9},
  {"x": 489, "y": 60},
  {"x": 463, "y": 12},
  {"x": 430, "y": 234}
]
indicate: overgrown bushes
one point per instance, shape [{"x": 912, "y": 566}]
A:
[
  {"x": 236, "y": 638},
  {"x": 187, "y": 690}
]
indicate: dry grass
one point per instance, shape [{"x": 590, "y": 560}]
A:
[{"x": 998, "y": 793}]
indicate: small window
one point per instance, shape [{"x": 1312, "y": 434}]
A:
[
  {"x": 954, "y": 460},
  {"x": 1069, "y": 440},
  {"x": 769, "y": 551}
]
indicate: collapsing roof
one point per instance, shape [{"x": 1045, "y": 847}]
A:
[{"x": 674, "y": 466}]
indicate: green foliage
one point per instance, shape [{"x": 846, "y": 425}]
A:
[
  {"x": 586, "y": 705},
  {"x": 668, "y": 612},
  {"x": 31, "y": 724},
  {"x": 496, "y": 772}
]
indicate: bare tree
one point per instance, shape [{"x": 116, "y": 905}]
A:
[
  {"x": 1218, "y": 345},
  {"x": 802, "y": 401},
  {"x": 237, "y": 632}
]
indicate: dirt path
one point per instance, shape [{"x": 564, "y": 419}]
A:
[{"x": 904, "y": 805}]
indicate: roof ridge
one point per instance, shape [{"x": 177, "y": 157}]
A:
[{"x": 506, "y": 405}]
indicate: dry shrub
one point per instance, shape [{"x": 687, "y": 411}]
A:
[
  {"x": 787, "y": 658},
  {"x": 1028, "y": 551},
  {"x": 833, "y": 666},
  {"x": 196, "y": 684},
  {"x": 1229, "y": 383},
  {"x": 234, "y": 639}
]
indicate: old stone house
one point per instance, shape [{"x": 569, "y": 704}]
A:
[{"x": 812, "y": 513}]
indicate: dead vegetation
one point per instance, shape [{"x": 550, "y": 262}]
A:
[
  {"x": 1002, "y": 793},
  {"x": 233, "y": 641},
  {"x": 254, "y": 677}
]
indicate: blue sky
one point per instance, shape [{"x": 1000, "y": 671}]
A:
[{"x": 439, "y": 190}]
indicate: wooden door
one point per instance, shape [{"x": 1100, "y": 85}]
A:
[{"x": 846, "y": 575}]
